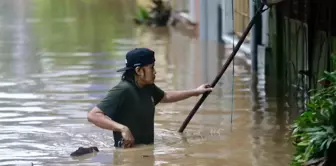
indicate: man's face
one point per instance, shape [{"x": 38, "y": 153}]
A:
[{"x": 148, "y": 74}]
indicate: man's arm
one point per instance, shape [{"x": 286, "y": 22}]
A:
[
  {"x": 98, "y": 118},
  {"x": 174, "y": 96}
]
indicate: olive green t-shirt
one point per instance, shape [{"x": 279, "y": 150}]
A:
[{"x": 133, "y": 107}]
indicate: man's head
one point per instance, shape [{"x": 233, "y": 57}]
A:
[{"x": 140, "y": 65}]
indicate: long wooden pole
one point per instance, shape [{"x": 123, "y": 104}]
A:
[{"x": 226, "y": 65}]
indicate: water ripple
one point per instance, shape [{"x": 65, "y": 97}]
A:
[{"x": 18, "y": 96}]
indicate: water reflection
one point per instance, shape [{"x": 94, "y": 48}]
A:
[{"x": 58, "y": 58}]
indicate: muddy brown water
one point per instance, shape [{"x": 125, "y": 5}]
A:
[{"x": 58, "y": 59}]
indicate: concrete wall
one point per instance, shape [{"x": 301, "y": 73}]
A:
[
  {"x": 227, "y": 19},
  {"x": 209, "y": 33}
]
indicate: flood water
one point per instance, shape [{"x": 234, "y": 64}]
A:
[{"x": 58, "y": 59}]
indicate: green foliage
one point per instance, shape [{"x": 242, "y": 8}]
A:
[
  {"x": 314, "y": 131},
  {"x": 142, "y": 13}
]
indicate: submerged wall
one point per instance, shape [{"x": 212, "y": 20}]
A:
[{"x": 296, "y": 44}]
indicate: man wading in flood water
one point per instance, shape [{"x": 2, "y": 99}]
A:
[{"x": 130, "y": 105}]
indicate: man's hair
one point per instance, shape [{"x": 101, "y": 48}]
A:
[{"x": 128, "y": 75}]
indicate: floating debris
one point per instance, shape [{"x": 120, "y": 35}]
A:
[{"x": 82, "y": 151}]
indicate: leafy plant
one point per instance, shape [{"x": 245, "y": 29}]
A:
[
  {"x": 142, "y": 13},
  {"x": 314, "y": 131}
]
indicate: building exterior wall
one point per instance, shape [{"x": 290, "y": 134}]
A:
[
  {"x": 180, "y": 5},
  {"x": 299, "y": 40},
  {"x": 241, "y": 16}
]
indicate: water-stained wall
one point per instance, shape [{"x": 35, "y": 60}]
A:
[{"x": 302, "y": 40}]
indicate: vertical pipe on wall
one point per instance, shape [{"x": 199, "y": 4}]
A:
[
  {"x": 256, "y": 33},
  {"x": 192, "y": 11},
  {"x": 219, "y": 22},
  {"x": 203, "y": 20},
  {"x": 203, "y": 27},
  {"x": 265, "y": 28},
  {"x": 253, "y": 44}
]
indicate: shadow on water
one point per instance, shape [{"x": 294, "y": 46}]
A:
[{"x": 58, "y": 59}]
